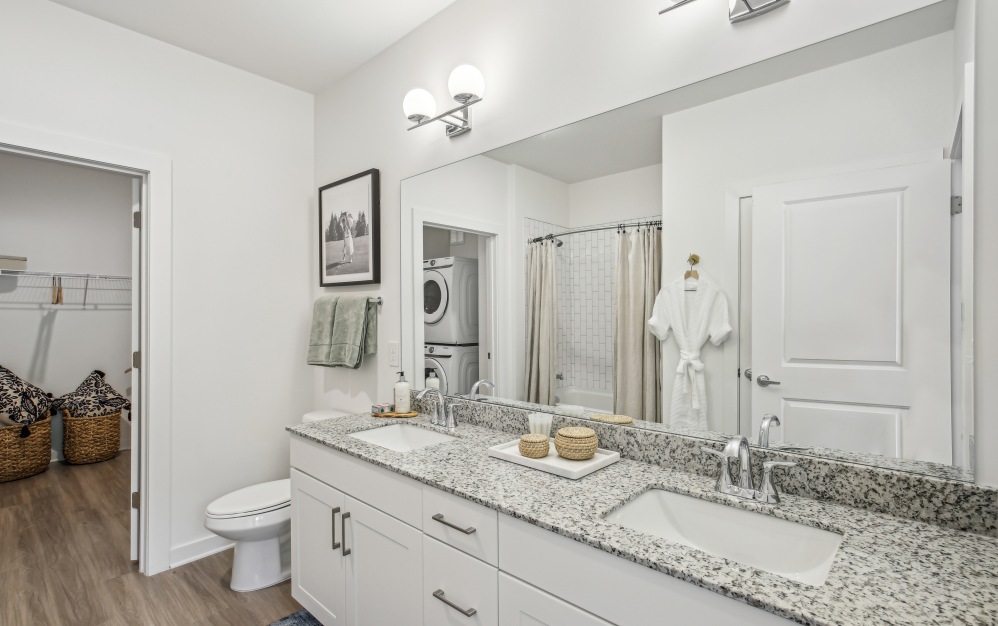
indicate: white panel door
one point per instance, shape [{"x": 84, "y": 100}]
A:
[
  {"x": 384, "y": 568},
  {"x": 318, "y": 575},
  {"x": 135, "y": 395},
  {"x": 850, "y": 310}
]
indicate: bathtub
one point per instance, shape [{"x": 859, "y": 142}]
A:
[{"x": 592, "y": 399}]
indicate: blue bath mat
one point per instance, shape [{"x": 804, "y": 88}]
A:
[{"x": 301, "y": 618}]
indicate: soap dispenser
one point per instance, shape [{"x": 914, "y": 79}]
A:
[
  {"x": 432, "y": 380},
  {"x": 402, "y": 395}
]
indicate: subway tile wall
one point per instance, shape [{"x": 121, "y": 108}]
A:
[{"x": 585, "y": 277}]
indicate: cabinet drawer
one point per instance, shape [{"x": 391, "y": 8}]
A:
[
  {"x": 523, "y": 605},
  {"x": 441, "y": 509},
  {"x": 461, "y": 580}
]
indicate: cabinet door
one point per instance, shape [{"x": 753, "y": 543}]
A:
[
  {"x": 384, "y": 567},
  {"x": 521, "y": 604},
  {"x": 318, "y": 575}
]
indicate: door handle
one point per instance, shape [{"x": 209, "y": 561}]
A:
[
  {"x": 439, "y": 595},
  {"x": 333, "y": 513},
  {"x": 439, "y": 517},
  {"x": 748, "y": 373},
  {"x": 343, "y": 531},
  {"x": 765, "y": 382}
]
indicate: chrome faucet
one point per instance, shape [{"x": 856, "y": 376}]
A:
[
  {"x": 738, "y": 448},
  {"x": 439, "y": 407},
  {"x": 443, "y": 413},
  {"x": 767, "y": 420},
  {"x": 491, "y": 385}
]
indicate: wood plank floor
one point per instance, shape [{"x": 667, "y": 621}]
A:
[{"x": 64, "y": 561}]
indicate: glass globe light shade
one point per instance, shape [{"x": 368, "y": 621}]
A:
[
  {"x": 419, "y": 105},
  {"x": 465, "y": 83}
]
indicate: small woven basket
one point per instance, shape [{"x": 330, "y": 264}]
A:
[
  {"x": 21, "y": 457},
  {"x": 534, "y": 446},
  {"x": 90, "y": 439},
  {"x": 576, "y": 443},
  {"x": 611, "y": 419}
]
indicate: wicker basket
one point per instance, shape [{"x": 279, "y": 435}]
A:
[
  {"x": 534, "y": 446},
  {"x": 90, "y": 439},
  {"x": 611, "y": 419},
  {"x": 21, "y": 457},
  {"x": 576, "y": 443}
]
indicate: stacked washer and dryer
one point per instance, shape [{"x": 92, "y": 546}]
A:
[{"x": 450, "y": 317}]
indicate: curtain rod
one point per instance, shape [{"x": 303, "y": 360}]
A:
[{"x": 618, "y": 227}]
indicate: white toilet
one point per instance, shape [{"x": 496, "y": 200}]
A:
[{"x": 258, "y": 519}]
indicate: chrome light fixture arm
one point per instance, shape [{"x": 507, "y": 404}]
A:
[{"x": 457, "y": 120}]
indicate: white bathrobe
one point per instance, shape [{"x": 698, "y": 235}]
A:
[{"x": 708, "y": 318}]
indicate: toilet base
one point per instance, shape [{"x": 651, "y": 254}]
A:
[{"x": 260, "y": 564}]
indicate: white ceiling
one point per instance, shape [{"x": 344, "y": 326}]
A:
[{"x": 308, "y": 44}]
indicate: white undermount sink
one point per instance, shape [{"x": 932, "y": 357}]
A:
[
  {"x": 402, "y": 438},
  {"x": 794, "y": 551}
]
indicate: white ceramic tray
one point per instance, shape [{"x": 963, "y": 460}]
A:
[{"x": 554, "y": 464}]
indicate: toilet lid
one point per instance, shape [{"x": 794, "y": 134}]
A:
[{"x": 253, "y": 499}]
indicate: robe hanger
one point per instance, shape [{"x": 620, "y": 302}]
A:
[{"x": 693, "y": 259}]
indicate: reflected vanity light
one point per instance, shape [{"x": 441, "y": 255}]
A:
[
  {"x": 466, "y": 85},
  {"x": 738, "y": 10}
]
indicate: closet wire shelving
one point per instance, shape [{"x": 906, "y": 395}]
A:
[{"x": 79, "y": 290}]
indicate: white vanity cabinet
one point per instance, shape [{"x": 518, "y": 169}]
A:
[
  {"x": 347, "y": 557},
  {"x": 373, "y": 548}
]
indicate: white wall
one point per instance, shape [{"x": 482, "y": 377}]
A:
[
  {"x": 594, "y": 55},
  {"x": 437, "y": 244},
  {"x": 66, "y": 218},
  {"x": 892, "y": 103},
  {"x": 986, "y": 244},
  {"x": 241, "y": 148},
  {"x": 617, "y": 197}
]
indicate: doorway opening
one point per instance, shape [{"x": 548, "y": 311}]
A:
[
  {"x": 458, "y": 324},
  {"x": 71, "y": 291}
]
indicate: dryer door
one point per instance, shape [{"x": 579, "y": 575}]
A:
[
  {"x": 435, "y": 296},
  {"x": 433, "y": 364}
]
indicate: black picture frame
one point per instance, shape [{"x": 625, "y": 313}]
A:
[{"x": 350, "y": 205}]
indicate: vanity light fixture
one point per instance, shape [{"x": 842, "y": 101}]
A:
[
  {"x": 466, "y": 85},
  {"x": 741, "y": 10},
  {"x": 738, "y": 10}
]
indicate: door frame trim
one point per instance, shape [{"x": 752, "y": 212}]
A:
[{"x": 155, "y": 341}]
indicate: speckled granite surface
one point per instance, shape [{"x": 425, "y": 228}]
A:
[
  {"x": 933, "y": 470},
  {"x": 952, "y": 504},
  {"x": 887, "y": 571}
]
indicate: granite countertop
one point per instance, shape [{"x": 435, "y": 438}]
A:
[{"x": 887, "y": 570}]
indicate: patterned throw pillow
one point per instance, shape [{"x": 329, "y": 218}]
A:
[
  {"x": 93, "y": 398},
  {"x": 20, "y": 401}
]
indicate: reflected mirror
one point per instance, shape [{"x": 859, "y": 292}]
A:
[{"x": 777, "y": 240}]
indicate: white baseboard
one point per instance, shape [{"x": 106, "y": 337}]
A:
[{"x": 198, "y": 549}]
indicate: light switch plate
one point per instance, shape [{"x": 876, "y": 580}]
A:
[{"x": 393, "y": 353}]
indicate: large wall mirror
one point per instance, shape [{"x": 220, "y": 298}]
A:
[{"x": 815, "y": 190}]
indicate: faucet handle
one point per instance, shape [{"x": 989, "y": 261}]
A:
[
  {"x": 724, "y": 480},
  {"x": 767, "y": 491}
]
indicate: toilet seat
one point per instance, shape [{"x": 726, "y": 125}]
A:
[{"x": 252, "y": 500}]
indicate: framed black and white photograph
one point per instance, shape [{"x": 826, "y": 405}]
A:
[{"x": 349, "y": 231}]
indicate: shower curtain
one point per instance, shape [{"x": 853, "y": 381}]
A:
[
  {"x": 637, "y": 363},
  {"x": 541, "y": 322}
]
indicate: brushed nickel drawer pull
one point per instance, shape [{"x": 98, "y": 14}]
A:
[
  {"x": 343, "y": 531},
  {"x": 439, "y": 595},
  {"x": 439, "y": 517},
  {"x": 333, "y": 518}
]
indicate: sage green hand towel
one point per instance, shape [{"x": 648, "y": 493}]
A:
[{"x": 344, "y": 330}]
